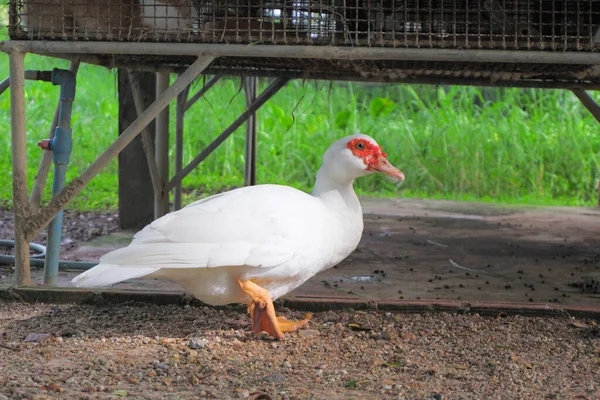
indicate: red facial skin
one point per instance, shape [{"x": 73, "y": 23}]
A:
[
  {"x": 369, "y": 152},
  {"x": 374, "y": 158}
]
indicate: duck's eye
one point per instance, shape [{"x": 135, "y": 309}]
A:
[{"x": 360, "y": 146}]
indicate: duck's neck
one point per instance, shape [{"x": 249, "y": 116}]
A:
[{"x": 337, "y": 194}]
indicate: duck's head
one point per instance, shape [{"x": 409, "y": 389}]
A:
[{"x": 357, "y": 155}]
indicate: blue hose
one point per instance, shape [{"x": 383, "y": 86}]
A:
[{"x": 37, "y": 260}]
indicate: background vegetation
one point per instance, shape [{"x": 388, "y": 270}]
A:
[{"x": 527, "y": 146}]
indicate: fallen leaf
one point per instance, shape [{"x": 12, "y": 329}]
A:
[
  {"x": 120, "y": 393},
  {"x": 578, "y": 324},
  {"x": 520, "y": 361},
  {"x": 53, "y": 387},
  {"x": 307, "y": 315},
  {"x": 501, "y": 315},
  {"x": 359, "y": 327},
  {"x": 506, "y": 347},
  {"x": 352, "y": 383},
  {"x": 394, "y": 364}
]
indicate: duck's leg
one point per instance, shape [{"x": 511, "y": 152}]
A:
[{"x": 262, "y": 312}]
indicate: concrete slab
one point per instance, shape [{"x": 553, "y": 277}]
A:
[{"x": 443, "y": 250}]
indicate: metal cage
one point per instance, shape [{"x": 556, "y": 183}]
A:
[{"x": 548, "y": 25}]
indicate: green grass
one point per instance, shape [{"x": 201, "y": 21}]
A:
[{"x": 530, "y": 146}]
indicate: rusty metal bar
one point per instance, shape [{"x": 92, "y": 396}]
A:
[
  {"x": 594, "y": 109},
  {"x": 39, "y": 220},
  {"x": 588, "y": 102},
  {"x": 250, "y": 89},
  {"x": 301, "y": 51},
  {"x": 21, "y": 207},
  {"x": 262, "y": 99},
  {"x": 45, "y": 163},
  {"x": 198, "y": 95},
  {"x": 147, "y": 142},
  {"x": 161, "y": 206},
  {"x": 179, "y": 124}
]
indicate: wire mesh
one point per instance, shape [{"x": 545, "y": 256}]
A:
[{"x": 551, "y": 25}]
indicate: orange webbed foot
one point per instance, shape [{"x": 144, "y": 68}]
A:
[{"x": 262, "y": 312}]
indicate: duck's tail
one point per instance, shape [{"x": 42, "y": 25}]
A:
[{"x": 109, "y": 274}]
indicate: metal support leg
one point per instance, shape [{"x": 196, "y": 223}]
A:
[
  {"x": 19, "y": 166},
  {"x": 60, "y": 145},
  {"x": 250, "y": 88},
  {"x": 42, "y": 175},
  {"x": 262, "y": 99},
  {"x": 48, "y": 212},
  {"x": 179, "y": 122},
  {"x": 162, "y": 145},
  {"x": 594, "y": 109}
]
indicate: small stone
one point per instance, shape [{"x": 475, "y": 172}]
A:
[
  {"x": 197, "y": 343},
  {"x": 319, "y": 372},
  {"x": 161, "y": 365},
  {"x": 37, "y": 337},
  {"x": 275, "y": 378},
  {"x": 244, "y": 394},
  {"x": 100, "y": 361},
  {"x": 387, "y": 387},
  {"x": 262, "y": 335},
  {"x": 308, "y": 333},
  {"x": 287, "y": 364}
]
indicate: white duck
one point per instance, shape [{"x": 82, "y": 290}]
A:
[{"x": 254, "y": 244}]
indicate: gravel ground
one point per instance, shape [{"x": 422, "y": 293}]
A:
[
  {"x": 78, "y": 227},
  {"x": 147, "y": 351}
]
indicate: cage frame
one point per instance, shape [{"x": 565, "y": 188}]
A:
[{"x": 198, "y": 58}]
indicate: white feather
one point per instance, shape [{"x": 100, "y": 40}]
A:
[{"x": 107, "y": 274}]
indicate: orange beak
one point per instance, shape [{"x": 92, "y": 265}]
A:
[{"x": 383, "y": 165}]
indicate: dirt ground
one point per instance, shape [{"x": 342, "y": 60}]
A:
[
  {"x": 412, "y": 251},
  {"x": 146, "y": 351},
  {"x": 424, "y": 250}
]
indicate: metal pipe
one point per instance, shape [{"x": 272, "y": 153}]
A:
[
  {"x": 48, "y": 212},
  {"x": 198, "y": 95},
  {"x": 5, "y": 84},
  {"x": 21, "y": 207},
  {"x": 303, "y": 51},
  {"x": 535, "y": 83},
  {"x": 250, "y": 89},
  {"x": 147, "y": 142},
  {"x": 179, "y": 124},
  {"x": 410, "y": 79},
  {"x": 161, "y": 207},
  {"x": 42, "y": 175},
  {"x": 37, "y": 261},
  {"x": 262, "y": 99},
  {"x": 60, "y": 145},
  {"x": 30, "y": 75}
]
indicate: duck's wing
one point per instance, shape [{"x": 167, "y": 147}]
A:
[{"x": 261, "y": 226}]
